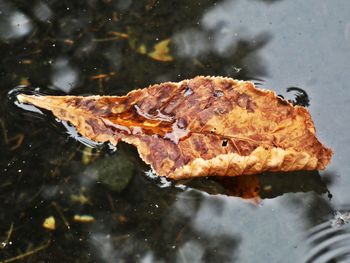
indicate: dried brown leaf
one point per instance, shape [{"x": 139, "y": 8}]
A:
[{"x": 199, "y": 127}]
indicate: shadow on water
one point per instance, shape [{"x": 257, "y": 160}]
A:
[
  {"x": 160, "y": 230},
  {"x": 267, "y": 185}
]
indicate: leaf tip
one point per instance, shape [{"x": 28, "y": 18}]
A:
[{"x": 21, "y": 98}]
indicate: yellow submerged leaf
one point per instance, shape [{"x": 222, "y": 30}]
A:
[
  {"x": 80, "y": 198},
  {"x": 84, "y": 218},
  {"x": 87, "y": 155},
  {"x": 142, "y": 49},
  {"x": 161, "y": 51},
  {"x": 50, "y": 223}
]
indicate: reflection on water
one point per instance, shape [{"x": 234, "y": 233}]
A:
[
  {"x": 267, "y": 185},
  {"x": 14, "y": 24},
  {"x": 180, "y": 242},
  {"x": 64, "y": 77},
  {"x": 42, "y": 11},
  {"x": 105, "y": 47}
]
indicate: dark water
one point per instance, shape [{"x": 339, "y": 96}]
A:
[{"x": 107, "y": 47}]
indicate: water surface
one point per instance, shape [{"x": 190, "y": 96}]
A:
[{"x": 110, "y": 47}]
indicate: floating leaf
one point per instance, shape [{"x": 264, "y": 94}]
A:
[
  {"x": 161, "y": 51},
  {"x": 199, "y": 127}
]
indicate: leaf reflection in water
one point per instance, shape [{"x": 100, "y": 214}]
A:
[{"x": 264, "y": 186}]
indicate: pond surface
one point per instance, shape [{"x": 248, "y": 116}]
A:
[{"x": 106, "y": 204}]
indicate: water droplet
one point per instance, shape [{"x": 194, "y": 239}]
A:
[
  {"x": 218, "y": 93},
  {"x": 340, "y": 219},
  {"x": 188, "y": 92},
  {"x": 181, "y": 123}
]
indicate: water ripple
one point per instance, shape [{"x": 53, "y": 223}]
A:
[{"x": 330, "y": 240}]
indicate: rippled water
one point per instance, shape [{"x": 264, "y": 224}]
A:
[{"x": 107, "y": 205}]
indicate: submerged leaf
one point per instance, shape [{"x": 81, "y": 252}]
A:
[
  {"x": 142, "y": 49},
  {"x": 49, "y": 223},
  {"x": 84, "y": 218},
  {"x": 114, "y": 171},
  {"x": 199, "y": 127},
  {"x": 161, "y": 51}
]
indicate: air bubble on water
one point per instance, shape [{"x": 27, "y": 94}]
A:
[
  {"x": 188, "y": 92},
  {"x": 340, "y": 219}
]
